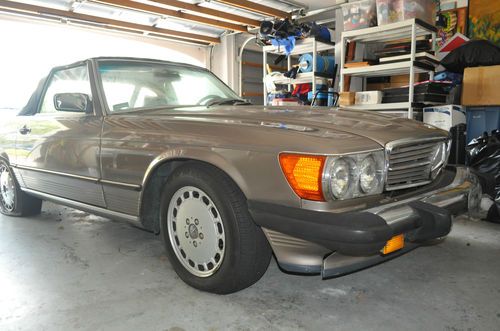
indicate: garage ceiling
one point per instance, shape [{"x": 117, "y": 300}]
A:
[{"x": 200, "y": 22}]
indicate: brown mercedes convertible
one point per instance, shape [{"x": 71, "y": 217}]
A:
[{"x": 224, "y": 183}]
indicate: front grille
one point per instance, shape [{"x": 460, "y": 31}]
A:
[{"x": 409, "y": 163}]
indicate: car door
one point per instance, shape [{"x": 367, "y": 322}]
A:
[{"x": 57, "y": 150}]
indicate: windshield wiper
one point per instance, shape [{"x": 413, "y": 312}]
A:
[{"x": 227, "y": 101}]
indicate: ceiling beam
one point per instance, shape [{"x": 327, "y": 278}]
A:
[
  {"x": 208, "y": 11},
  {"x": 255, "y": 7},
  {"x": 173, "y": 13},
  {"x": 21, "y": 7}
]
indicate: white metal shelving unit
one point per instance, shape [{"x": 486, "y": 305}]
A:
[
  {"x": 308, "y": 45},
  {"x": 410, "y": 29}
]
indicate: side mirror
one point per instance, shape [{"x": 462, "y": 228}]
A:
[{"x": 73, "y": 102}]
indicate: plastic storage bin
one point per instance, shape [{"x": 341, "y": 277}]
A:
[
  {"x": 359, "y": 14},
  {"x": 480, "y": 120},
  {"x": 392, "y": 11}
]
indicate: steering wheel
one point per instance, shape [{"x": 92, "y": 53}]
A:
[{"x": 207, "y": 98}]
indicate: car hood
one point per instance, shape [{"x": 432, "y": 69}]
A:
[{"x": 320, "y": 122}]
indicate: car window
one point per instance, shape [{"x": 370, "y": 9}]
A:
[
  {"x": 118, "y": 94},
  {"x": 147, "y": 97},
  {"x": 136, "y": 85},
  {"x": 72, "y": 80}
]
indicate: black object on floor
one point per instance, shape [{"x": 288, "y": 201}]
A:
[{"x": 483, "y": 155}]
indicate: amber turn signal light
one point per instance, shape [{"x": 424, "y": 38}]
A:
[
  {"x": 304, "y": 173},
  {"x": 394, "y": 244}
]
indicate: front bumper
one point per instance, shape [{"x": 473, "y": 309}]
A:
[{"x": 354, "y": 240}]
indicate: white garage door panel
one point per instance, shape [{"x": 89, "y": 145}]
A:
[{"x": 30, "y": 49}]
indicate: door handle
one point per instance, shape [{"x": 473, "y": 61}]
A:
[{"x": 24, "y": 130}]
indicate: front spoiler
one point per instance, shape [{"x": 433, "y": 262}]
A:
[
  {"x": 356, "y": 238},
  {"x": 336, "y": 264},
  {"x": 462, "y": 194}
]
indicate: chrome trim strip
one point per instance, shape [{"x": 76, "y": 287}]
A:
[
  {"x": 421, "y": 164},
  {"x": 85, "y": 207},
  {"x": 125, "y": 185},
  {"x": 400, "y": 187},
  {"x": 411, "y": 141},
  {"x": 90, "y": 179},
  {"x": 332, "y": 154}
]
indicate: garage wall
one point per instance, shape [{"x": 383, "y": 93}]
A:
[
  {"x": 223, "y": 61},
  {"x": 30, "y": 49}
]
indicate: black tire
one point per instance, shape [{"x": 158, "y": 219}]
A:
[
  {"x": 247, "y": 252},
  {"x": 23, "y": 204}
]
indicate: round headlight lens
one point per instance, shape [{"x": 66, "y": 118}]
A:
[
  {"x": 368, "y": 175},
  {"x": 340, "y": 178},
  {"x": 437, "y": 156}
]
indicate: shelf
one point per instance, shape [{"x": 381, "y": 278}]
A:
[
  {"x": 391, "y": 106},
  {"x": 380, "y": 106},
  {"x": 302, "y": 78},
  {"x": 259, "y": 65},
  {"x": 388, "y": 32},
  {"x": 389, "y": 69},
  {"x": 253, "y": 94},
  {"x": 301, "y": 47}
]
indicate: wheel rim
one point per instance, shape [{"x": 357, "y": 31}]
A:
[
  {"x": 7, "y": 188},
  {"x": 196, "y": 231}
]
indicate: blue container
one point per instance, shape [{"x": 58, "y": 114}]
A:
[
  {"x": 480, "y": 120},
  {"x": 325, "y": 64},
  {"x": 321, "y": 99}
]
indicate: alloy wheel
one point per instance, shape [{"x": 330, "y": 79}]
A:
[
  {"x": 7, "y": 188},
  {"x": 196, "y": 231}
]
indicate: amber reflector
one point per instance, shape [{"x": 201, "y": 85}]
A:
[
  {"x": 304, "y": 174},
  {"x": 394, "y": 244}
]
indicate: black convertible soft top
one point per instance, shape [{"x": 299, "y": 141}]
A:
[{"x": 32, "y": 106}]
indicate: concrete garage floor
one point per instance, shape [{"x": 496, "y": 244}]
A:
[{"x": 69, "y": 270}]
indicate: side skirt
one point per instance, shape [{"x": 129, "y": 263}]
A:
[{"x": 85, "y": 207}]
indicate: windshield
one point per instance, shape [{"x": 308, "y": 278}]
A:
[{"x": 134, "y": 85}]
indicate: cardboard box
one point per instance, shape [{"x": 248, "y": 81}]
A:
[
  {"x": 347, "y": 98},
  {"x": 444, "y": 117},
  {"x": 368, "y": 98},
  {"x": 285, "y": 102},
  {"x": 480, "y": 86},
  {"x": 405, "y": 79}
]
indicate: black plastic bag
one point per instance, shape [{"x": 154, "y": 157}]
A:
[
  {"x": 483, "y": 155},
  {"x": 475, "y": 53}
]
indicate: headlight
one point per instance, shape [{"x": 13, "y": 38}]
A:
[
  {"x": 340, "y": 181},
  {"x": 368, "y": 179},
  {"x": 321, "y": 178},
  {"x": 439, "y": 157},
  {"x": 354, "y": 175}
]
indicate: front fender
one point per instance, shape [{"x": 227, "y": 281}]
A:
[{"x": 257, "y": 174}]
